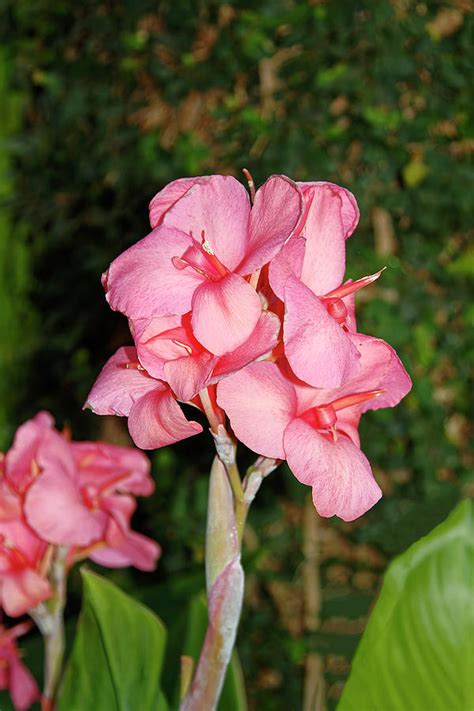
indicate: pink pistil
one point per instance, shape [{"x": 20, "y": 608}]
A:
[{"x": 333, "y": 300}]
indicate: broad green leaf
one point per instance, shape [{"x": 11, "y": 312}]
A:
[
  {"x": 418, "y": 649},
  {"x": 117, "y": 655}
]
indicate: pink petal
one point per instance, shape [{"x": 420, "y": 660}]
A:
[
  {"x": 188, "y": 375},
  {"x": 261, "y": 341},
  {"x": 156, "y": 342},
  {"x": 338, "y": 472},
  {"x": 325, "y": 255},
  {"x": 23, "y": 688},
  {"x": 21, "y": 591},
  {"x": 380, "y": 368},
  {"x": 319, "y": 351},
  {"x": 156, "y": 420},
  {"x": 54, "y": 509},
  {"x": 350, "y": 210},
  {"x": 19, "y": 459},
  {"x": 55, "y": 452},
  {"x": 260, "y": 403},
  {"x": 119, "y": 386},
  {"x": 288, "y": 262},
  {"x": 143, "y": 281},
  {"x": 127, "y": 548},
  {"x": 219, "y": 206},
  {"x": 275, "y": 214},
  {"x": 166, "y": 198},
  {"x": 225, "y": 313},
  {"x": 125, "y": 469}
]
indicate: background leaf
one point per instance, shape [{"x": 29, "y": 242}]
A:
[
  {"x": 417, "y": 650},
  {"x": 117, "y": 655}
]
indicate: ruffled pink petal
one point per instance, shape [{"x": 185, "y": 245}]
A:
[
  {"x": 288, "y": 262},
  {"x": 124, "y": 469},
  {"x": 319, "y": 351},
  {"x": 219, "y": 207},
  {"x": 260, "y": 402},
  {"x": 167, "y": 197},
  {"x": 127, "y": 548},
  {"x": 118, "y": 386},
  {"x": 350, "y": 210},
  {"x": 23, "y": 590},
  {"x": 262, "y": 340},
  {"x": 23, "y": 688},
  {"x": 380, "y": 369},
  {"x": 188, "y": 375},
  {"x": 10, "y": 503},
  {"x": 325, "y": 254},
  {"x": 156, "y": 420},
  {"x": 19, "y": 459},
  {"x": 275, "y": 214},
  {"x": 143, "y": 281},
  {"x": 158, "y": 341},
  {"x": 24, "y": 540},
  {"x": 55, "y": 452},
  {"x": 338, "y": 472},
  {"x": 225, "y": 313},
  {"x": 54, "y": 509}
]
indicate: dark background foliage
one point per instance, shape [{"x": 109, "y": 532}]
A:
[{"x": 103, "y": 103}]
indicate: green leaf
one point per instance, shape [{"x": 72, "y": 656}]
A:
[
  {"x": 417, "y": 650},
  {"x": 117, "y": 656}
]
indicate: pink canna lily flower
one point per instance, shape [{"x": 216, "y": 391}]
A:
[
  {"x": 14, "y": 676},
  {"x": 74, "y": 494},
  {"x": 307, "y": 275},
  {"x": 207, "y": 240},
  {"x": 124, "y": 388},
  {"x": 22, "y": 554},
  {"x": 315, "y": 430},
  {"x": 168, "y": 350}
]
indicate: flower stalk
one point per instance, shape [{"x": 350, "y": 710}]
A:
[
  {"x": 229, "y": 502},
  {"x": 49, "y": 618}
]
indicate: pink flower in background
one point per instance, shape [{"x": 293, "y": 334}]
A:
[
  {"x": 14, "y": 676},
  {"x": 22, "y": 554},
  {"x": 315, "y": 430},
  {"x": 307, "y": 275},
  {"x": 207, "y": 240},
  {"x": 74, "y": 494}
]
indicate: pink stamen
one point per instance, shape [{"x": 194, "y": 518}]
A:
[
  {"x": 354, "y": 286},
  {"x": 250, "y": 183}
]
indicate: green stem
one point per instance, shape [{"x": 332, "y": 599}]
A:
[{"x": 50, "y": 620}]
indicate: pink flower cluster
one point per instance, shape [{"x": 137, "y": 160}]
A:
[
  {"x": 242, "y": 310},
  {"x": 55, "y": 492},
  {"x": 75, "y": 494}
]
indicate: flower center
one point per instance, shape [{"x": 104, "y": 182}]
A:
[
  {"x": 202, "y": 259},
  {"x": 15, "y": 557}
]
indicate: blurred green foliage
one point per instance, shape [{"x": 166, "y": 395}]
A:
[{"x": 115, "y": 99}]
